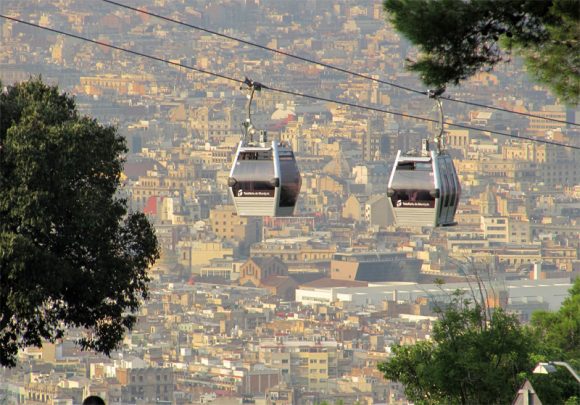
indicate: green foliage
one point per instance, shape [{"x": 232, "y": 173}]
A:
[
  {"x": 559, "y": 333},
  {"x": 70, "y": 256},
  {"x": 478, "y": 357},
  {"x": 474, "y": 357},
  {"x": 562, "y": 329},
  {"x": 458, "y": 38}
]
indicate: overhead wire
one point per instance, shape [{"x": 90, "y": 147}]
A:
[
  {"x": 283, "y": 91},
  {"x": 332, "y": 67}
]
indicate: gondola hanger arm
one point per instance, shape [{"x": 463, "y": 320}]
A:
[
  {"x": 252, "y": 86},
  {"x": 436, "y": 95}
]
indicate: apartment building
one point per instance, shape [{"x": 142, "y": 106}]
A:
[
  {"x": 225, "y": 223},
  {"x": 303, "y": 363},
  {"x": 193, "y": 255},
  {"x": 145, "y": 384}
]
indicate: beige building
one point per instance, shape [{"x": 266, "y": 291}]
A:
[
  {"x": 269, "y": 273},
  {"x": 146, "y": 385},
  {"x": 540, "y": 126},
  {"x": 495, "y": 229},
  {"x": 457, "y": 138},
  {"x": 563, "y": 257},
  {"x": 378, "y": 211},
  {"x": 512, "y": 171},
  {"x": 258, "y": 269},
  {"x": 50, "y": 393},
  {"x": 303, "y": 363},
  {"x": 354, "y": 207},
  {"x": 193, "y": 255},
  {"x": 375, "y": 210},
  {"x": 296, "y": 251},
  {"x": 504, "y": 229},
  {"x": 331, "y": 184},
  {"x": 151, "y": 185},
  {"x": 281, "y": 395},
  {"x": 225, "y": 223},
  {"x": 123, "y": 84},
  {"x": 554, "y": 165},
  {"x": 214, "y": 123},
  {"x": 511, "y": 256}
]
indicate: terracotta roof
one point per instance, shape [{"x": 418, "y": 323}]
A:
[{"x": 276, "y": 281}]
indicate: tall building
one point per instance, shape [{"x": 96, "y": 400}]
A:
[
  {"x": 375, "y": 144},
  {"x": 305, "y": 364},
  {"x": 488, "y": 202}
]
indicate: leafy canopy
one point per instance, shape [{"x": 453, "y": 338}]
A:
[
  {"x": 70, "y": 256},
  {"x": 474, "y": 357},
  {"x": 478, "y": 357},
  {"x": 559, "y": 333},
  {"x": 458, "y": 38},
  {"x": 561, "y": 329}
]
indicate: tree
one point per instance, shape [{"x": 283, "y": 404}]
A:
[
  {"x": 474, "y": 357},
  {"x": 561, "y": 329},
  {"x": 560, "y": 334},
  {"x": 458, "y": 38},
  {"x": 70, "y": 256}
]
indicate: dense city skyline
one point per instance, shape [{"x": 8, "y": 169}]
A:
[{"x": 295, "y": 310}]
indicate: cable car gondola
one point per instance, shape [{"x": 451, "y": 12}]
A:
[
  {"x": 424, "y": 188},
  {"x": 264, "y": 179}
]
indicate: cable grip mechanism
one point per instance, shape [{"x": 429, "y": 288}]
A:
[{"x": 247, "y": 126}]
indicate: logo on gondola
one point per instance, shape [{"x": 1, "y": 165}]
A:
[
  {"x": 255, "y": 193},
  {"x": 415, "y": 204}
]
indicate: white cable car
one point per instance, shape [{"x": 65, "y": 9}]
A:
[
  {"x": 264, "y": 179},
  {"x": 424, "y": 188}
]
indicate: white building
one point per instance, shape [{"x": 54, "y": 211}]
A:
[{"x": 549, "y": 292}]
